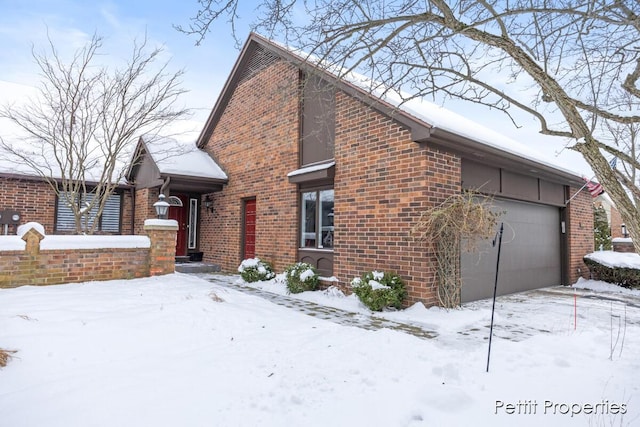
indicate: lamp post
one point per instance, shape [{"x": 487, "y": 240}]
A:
[
  {"x": 624, "y": 231},
  {"x": 161, "y": 207}
]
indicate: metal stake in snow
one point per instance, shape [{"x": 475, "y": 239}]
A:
[{"x": 495, "y": 289}]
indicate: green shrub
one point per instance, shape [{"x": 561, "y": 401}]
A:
[
  {"x": 378, "y": 290},
  {"x": 622, "y": 276},
  {"x": 301, "y": 277},
  {"x": 255, "y": 270}
]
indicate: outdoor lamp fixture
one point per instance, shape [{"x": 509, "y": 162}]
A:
[
  {"x": 161, "y": 207},
  {"x": 208, "y": 203},
  {"x": 624, "y": 231}
]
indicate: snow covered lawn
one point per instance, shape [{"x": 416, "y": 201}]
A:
[{"x": 178, "y": 350}]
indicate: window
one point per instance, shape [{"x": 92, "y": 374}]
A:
[
  {"x": 317, "y": 219},
  {"x": 109, "y": 222},
  {"x": 193, "y": 223}
]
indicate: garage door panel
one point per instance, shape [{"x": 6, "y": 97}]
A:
[{"x": 530, "y": 256}]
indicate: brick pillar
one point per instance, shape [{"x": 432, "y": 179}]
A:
[
  {"x": 162, "y": 254},
  {"x": 33, "y": 238}
]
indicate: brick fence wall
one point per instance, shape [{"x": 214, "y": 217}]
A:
[
  {"x": 29, "y": 260},
  {"x": 623, "y": 245}
]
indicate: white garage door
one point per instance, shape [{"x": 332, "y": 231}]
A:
[{"x": 530, "y": 256}]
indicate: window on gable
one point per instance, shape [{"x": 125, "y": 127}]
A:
[
  {"x": 317, "y": 219},
  {"x": 109, "y": 221}
]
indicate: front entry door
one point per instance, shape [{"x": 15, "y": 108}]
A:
[
  {"x": 249, "y": 232},
  {"x": 179, "y": 213}
]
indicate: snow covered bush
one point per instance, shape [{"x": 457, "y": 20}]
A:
[
  {"x": 255, "y": 270},
  {"x": 301, "y": 277},
  {"x": 626, "y": 277},
  {"x": 378, "y": 290}
]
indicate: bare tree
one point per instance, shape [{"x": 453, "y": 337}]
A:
[
  {"x": 78, "y": 132},
  {"x": 579, "y": 61}
]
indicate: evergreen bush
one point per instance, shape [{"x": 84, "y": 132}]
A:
[
  {"x": 301, "y": 277},
  {"x": 378, "y": 290},
  {"x": 255, "y": 270},
  {"x": 621, "y": 276},
  {"x": 601, "y": 229}
]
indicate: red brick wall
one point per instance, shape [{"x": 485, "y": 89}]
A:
[
  {"x": 33, "y": 266},
  {"x": 35, "y": 200},
  {"x": 383, "y": 182},
  {"x": 126, "y": 223},
  {"x": 580, "y": 229},
  {"x": 256, "y": 144},
  {"x": 616, "y": 223},
  {"x": 623, "y": 247},
  {"x": 144, "y": 200}
]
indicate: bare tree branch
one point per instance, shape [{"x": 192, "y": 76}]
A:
[
  {"x": 81, "y": 127},
  {"x": 580, "y": 59}
]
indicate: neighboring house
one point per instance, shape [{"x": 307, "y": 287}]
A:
[
  {"x": 32, "y": 199},
  {"x": 321, "y": 171},
  {"x": 613, "y": 215},
  {"x": 181, "y": 171}
]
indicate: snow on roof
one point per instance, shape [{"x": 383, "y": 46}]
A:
[
  {"x": 182, "y": 158},
  {"x": 312, "y": 168},
  {"x": 432, "y": 114},
  {"x": 186, "y": 161}
]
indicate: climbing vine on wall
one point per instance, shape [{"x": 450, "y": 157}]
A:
[{"x": 458, "y": 223}]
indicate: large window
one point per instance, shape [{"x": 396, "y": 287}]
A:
[
  {"x": 109, "y": 221},
  {"x": 317, "y": 219}
]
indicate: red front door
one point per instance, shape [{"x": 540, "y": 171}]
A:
[
  {"x": 249, "y": 229},
  {"x": 179, "y": 213}
]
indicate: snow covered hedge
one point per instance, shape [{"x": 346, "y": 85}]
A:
[
  {"x": 378, "y": 290},
  {"x": 255, "y": 270},
  {"x": 301, "y": 277},
  {"x": 621, "y": 269}
]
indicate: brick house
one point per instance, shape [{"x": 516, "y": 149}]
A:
[
  {"x": 181, "y": 172},
  {"x": 31, "y": 198},
  {"x": 319, "y": 170}
]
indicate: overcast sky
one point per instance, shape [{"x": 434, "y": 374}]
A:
[{"x": 71, "y": 23}]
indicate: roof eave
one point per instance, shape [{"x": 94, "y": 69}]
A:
[
  {"x": 477, "y": 151},
  {"x": 199, "y": 179}
]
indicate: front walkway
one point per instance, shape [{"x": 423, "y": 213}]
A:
[{"x": 336, "y": 315}]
